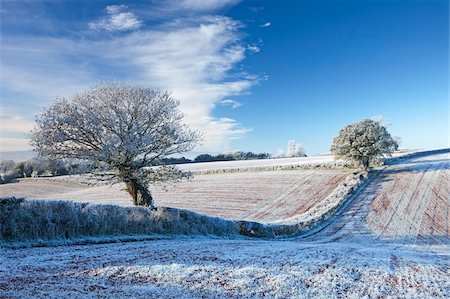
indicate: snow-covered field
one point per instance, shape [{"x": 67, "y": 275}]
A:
[
  {"x": 262, "y": 196},
  {"x": 200, "y": 268},
  {"x": 243, "y": 164},
  {"x": 270, "y": 163},
  {"x": 390, "y": 240},
  {"x": 409, "y": 202}
]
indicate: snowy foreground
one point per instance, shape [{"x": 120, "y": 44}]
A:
[
  {"x": 391, "y": 239},
  {"x": 199, "y": 268}
]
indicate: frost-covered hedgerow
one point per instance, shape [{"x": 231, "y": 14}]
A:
[
  {"x": 307, "y": 166},
  {"x": 34, "y": 220},
  {"x": 37, "y": 220}
]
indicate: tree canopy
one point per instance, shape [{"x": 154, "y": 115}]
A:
[
  {"x": 127, "y": 127},
  {"x": 363, "y": 142}
]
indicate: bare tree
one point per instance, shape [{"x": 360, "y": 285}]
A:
[
  {"x": 363, "y": 142},
  {"x": 123, "y": 126}
]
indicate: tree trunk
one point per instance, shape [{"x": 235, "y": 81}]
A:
[
  {"x": 366, "y": 163},
  {"x": 140, "y": 194}
]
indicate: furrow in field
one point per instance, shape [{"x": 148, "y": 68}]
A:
[
  {"x": 299, "y": 198},
  {"x": 407, "y": 202},
  {"x": 261, "y": 196}
]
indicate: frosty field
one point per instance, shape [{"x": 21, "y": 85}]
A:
[
  {"x": 390, "y": 239},
  {"x": 253, "y": 195},
  {"x": 200, "y": 268}
]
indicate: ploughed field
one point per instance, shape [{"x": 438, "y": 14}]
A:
[
  {"x": 253, "y": 195},
  {"x": 407, "y": 202},
  {"x": 260, "y": 196}
]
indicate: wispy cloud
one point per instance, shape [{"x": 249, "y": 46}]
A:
[
  {"x": 232, "y": 103},
  {"x": 10, "y": 144},
  {"x": 267, "y": 24},
  {"x": 14, "y": 124},
  {"x": 12, "y": 131},
  {"x": 201, "y": 5},
  {"x": 196, "y": 63},
  {"x": 194, "y": 57},
  {"x": 256, "y": 9},
  {"x": 253, "y": 48},
  {"x": 118, "y": 19}
]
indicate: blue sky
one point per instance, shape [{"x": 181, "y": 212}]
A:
[{"x": 250, "y": 74}]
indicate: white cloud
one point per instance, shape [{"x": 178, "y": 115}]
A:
[
  {"x": 115, "y": 9},
  {"x": 253, "y": 48},
  {"x": 118, "y": 19},
  {"x": 13, "y": 128},
  {"x": 232, "y": 103},
  {"x": 195, "y": 58},
  {"x": 267, "y": 24},
  {"x": 214, "y": 131},
  {"x": 8, "y": 144},
  {"x": 14, "y": 124},
  {"x": 194, "y": 62}
]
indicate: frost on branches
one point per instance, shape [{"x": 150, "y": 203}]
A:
[
  {"x": 123, "y": 126},
  {"x": 363, "y": 142},
  {"x": 295, "y": 150}
]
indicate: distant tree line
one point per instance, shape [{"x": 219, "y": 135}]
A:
[
  {"x": 11, "y": 170},
  {"x": 232, "y": 156},
  {"x": 211, "y": 158}
]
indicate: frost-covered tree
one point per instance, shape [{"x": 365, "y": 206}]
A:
[
  {"x": 8, "y": 171},
  {"x": 295, "y": 149},
  {"x": 125, "y": 127},
  {"x": 6, "y": 166},
  {"x": 363, "y": 142}
]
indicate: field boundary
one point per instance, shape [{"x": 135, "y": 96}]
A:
[
  {"x": 30, "y": 223},
  {"x": 307, "y": 166}
]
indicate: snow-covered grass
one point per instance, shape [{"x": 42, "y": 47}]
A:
[
  {"x": 200, "y": 268},
  {"x": 32, "y": 220}
]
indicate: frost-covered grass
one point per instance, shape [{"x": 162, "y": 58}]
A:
[
  {"x": 36, "y": 221},
  {"x": 200, "y": 268}
]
